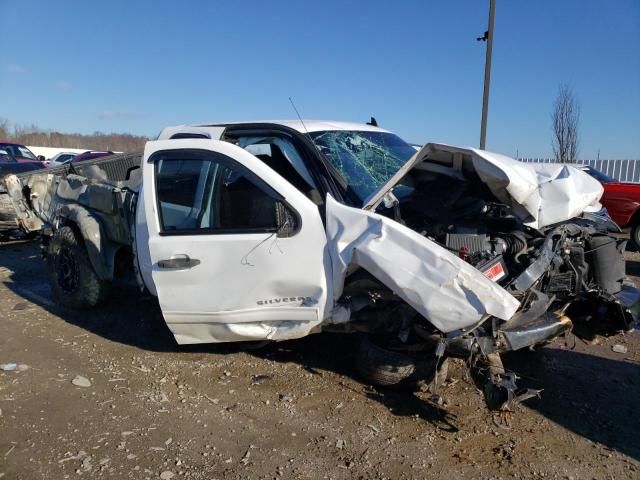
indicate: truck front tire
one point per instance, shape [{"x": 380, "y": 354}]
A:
[
  {"x": 73, "y": 280},
  {"x": 386, "y": 368}
]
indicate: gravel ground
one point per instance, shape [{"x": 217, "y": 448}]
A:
[{"x": 108, "y": 394}]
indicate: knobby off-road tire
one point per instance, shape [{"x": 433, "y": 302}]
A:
[
  {"x": 73, "y": 280},
  {"x": 386, "y": 368}
]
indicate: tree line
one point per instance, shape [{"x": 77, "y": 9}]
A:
[
  {"x": 35, "y": 136},
  {"x": 565, "y": 120}
]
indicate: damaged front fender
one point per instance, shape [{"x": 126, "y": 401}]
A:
[{"x": 446, "y": 290}]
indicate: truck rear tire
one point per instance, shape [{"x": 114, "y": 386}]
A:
[
  {"x": 387, "y": 368},
  {"x": 73, "y": 280}
]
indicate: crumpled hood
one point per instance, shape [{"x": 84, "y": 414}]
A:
[
  {"x": 539, "y": 194},
  {"x": 446, "y": 290}
]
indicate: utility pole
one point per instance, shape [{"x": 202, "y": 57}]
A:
[{"x": 488, "y": 37}]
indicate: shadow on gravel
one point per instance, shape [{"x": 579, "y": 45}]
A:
[
  {"x": 334, "y": 352},
  {"x": 592, "y": 396},
  {"x": 127, "y": 316}
]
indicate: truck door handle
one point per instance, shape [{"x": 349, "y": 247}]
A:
[{"x": 178, "y": 262}]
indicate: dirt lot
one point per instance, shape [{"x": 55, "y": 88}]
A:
[{"x": 289, "y": 410}]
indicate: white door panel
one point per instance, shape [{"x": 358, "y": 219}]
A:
[
  {"x": 235, "y": 272},
  {"x": 215, "y": 286}
]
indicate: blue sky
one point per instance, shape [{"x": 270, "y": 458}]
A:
[{"x": 138, "y": 66}]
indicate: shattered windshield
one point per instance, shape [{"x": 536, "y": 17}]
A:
[{"x": 366, "y": 160}]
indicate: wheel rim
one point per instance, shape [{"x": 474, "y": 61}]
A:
[{"x": 67, "y": 269}]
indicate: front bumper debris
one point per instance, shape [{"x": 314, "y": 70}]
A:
[
  {"x": 548, "y": 326},
  {"x": 627, "y": 301}
]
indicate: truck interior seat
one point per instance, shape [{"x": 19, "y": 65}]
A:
[
  {"x": 278, "y": 162},
  {"x": 242, "y": 207}
]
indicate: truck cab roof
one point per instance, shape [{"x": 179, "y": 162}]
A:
[{"x": 213, "y": 130}]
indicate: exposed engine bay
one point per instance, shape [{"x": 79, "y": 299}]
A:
[
  {"x": 568, "y": 277},
  {"x": 469, "y": 222}
]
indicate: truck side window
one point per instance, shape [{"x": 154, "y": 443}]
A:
[
  {"x": 242, "y": 205},
  {"x": 204, "y": 192}
]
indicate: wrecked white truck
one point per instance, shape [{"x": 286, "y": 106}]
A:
[{"x": 275, "y": 230}]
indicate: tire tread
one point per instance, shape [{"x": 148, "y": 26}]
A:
[
  {"x": 386, "y": 368},
  {"x": 91, "y": 289}
]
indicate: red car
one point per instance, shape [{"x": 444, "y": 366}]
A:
[
  {"x": 90, "y": 155},
  {"x": 622, "y": 201},
  {"x": 21, "y": 153}
]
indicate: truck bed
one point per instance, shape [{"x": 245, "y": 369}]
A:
[
  {"x": 114, "y": 167},
  {"x": 102, "y": 186}
]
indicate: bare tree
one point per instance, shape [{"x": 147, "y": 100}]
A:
[
  {"x": 4, "y": 128},
  {"x": 565, "y": 120}
]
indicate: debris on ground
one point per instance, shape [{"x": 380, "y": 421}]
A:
[
  {"x": 14, "y": 367},
  {"x": 245, "y": 459},
  {"x": 80, "y": 381},
  {"x": 258, "y": 379},
  {"x": 619, "y": 348}
]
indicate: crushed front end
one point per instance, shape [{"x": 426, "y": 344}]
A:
[
  {"x": 569, "y": 278},
  {"x": 556, "y": 267}
]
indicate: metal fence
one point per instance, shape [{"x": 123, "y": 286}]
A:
[{"x": 623, "y": 170}]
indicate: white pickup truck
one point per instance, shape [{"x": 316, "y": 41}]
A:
[{"x": 275, "y": 230}]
